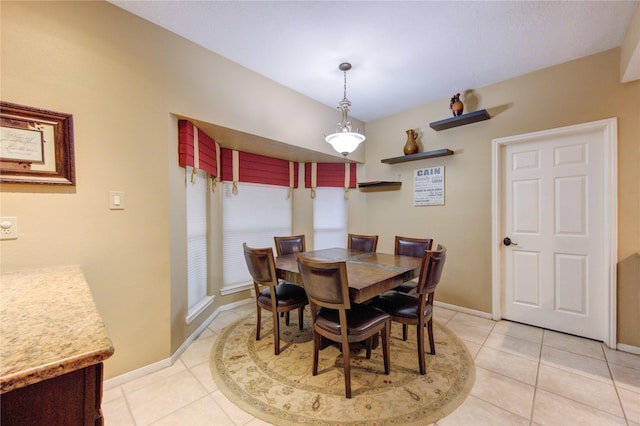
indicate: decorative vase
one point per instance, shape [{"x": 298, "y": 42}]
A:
[
  {"x": 456, "y": 105},
  {"x": 411, "y": 147}
]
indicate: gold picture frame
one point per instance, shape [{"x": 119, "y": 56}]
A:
[{"x": 36, "y": 146}]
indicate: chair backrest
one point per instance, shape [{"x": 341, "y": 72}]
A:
[
  {"x": 325, "y": 282},
  {"x": 289, "y": 245},
  {"x": 431, "y": 270},
  {"x": 366, "y": 243},
  {"x": 261, "y": 265},
  {"x": 414, "y": 247}
]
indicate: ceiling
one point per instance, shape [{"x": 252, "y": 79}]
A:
[{"x": 404, "y": 53}]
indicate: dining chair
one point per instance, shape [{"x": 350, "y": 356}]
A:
[
  {"x": 414, "y": 247},
  {"x": 274, "y": 297},
  {"x": 366, "y": 243},
  {"x": 289, "y": 245},
  {"x": 418, "y": 311},
  {"x": 336, "y": 318}
]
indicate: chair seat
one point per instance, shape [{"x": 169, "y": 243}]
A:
[
  {"x": 399, "y": 304},
  {"x": 408, "y": 287},
  {"x": 360, "y": 319},
  {"x": 288, "y": 294}
]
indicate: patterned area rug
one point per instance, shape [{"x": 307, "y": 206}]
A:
[{"x": 282, "y": 390}]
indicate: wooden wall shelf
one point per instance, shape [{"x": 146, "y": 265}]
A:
[
  {"x": 418, "y": 156},
  {"x": 461, "y": 120},
  {"x": 379, "y": 185}
]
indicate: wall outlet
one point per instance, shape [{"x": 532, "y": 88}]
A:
[{"x": 8, "y": 228}]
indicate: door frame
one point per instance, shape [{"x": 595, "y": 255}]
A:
[{"x": 610, "y": 139}]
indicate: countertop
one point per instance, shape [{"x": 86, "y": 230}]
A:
[{"x": 49, "y": 326}]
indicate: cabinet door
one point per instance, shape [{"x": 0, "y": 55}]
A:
[{"x": 71, "y": 399}]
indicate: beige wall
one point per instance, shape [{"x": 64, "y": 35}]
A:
[
  {"x": 576, "y": 92},
  {"x": 123, "y": 78}
]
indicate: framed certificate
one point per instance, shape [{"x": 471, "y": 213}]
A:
[{"x": 36, "y": 145}]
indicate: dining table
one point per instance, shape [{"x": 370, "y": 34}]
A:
[{"x": 369, "y": 274}]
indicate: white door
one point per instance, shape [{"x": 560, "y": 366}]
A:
[{"x": 555, "y": 230}]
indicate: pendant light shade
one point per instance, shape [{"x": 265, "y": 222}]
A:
[{"x": 344, "y": 140}]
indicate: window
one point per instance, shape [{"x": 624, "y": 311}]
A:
[
  {"x": 329, "y": 218},
  {"x": 255, "y": 215},
  {"x": 197, "y": 253}
]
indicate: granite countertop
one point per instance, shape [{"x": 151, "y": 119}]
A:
[{"x": 49, "y": 326}]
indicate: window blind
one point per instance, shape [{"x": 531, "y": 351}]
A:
[
  {"x": 329, "y": 218},
  {"x": 197, "y": 253},
  {"x": 254, "y": 215}
]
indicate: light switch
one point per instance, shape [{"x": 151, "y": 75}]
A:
[
  {"x": 116, "y": 200},
  {"x": 8, "y": 228}
]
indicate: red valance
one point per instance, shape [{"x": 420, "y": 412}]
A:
[
  {"x": 256, "y": 168},
  {"x": 332, "y": 175},
  {"x": 189, "y": 136}
]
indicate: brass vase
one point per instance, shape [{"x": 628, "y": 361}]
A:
[{"x": 411, "y": 147}]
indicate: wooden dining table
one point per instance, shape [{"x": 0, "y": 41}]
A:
[{"x": 369, "y": 274}]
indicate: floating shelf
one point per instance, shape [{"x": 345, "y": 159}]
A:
[
  {"x": 418, "y": 156},
  {"x": 460, "y": 120},
  {"x": 379, "y": 185}
]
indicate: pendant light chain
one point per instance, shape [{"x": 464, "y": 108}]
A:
[{"x": 345, "y": 84}]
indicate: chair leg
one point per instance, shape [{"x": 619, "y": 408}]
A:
[
  {"x": 421, "y": 362},
  {"x": 259, "y": 322},
  {"x": 430, "y": 332},
  {"x": 316, "y": 349},
  {"x": 276, "y": 333},
  {"x": 300, "y": 316},
  {"x": 346, "y": 360},
  {"x": 404, "y": 332},
  {"x": 386, "y": 337},
  {"x": 368, "y": 345},
  {"x": 286, "y": 318}
]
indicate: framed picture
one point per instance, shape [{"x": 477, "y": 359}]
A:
[{"x": 36, "y": 146}]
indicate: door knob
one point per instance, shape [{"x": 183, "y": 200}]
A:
[{"x": 507, "y": 242}]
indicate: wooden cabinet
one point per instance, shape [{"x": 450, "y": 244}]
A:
[
  {"x": 70, "y": 399},
  {"x": 53, "y": 345}
]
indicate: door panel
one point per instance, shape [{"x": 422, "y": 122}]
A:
[{"x": 554, "y": 274}]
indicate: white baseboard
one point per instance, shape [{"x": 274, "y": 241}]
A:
[
  {"x": 168, "y": 362},
  {"x": 628, "y": 348},
  {"x": 136, "y": 374},
  {"x": 463, "y": 310}
]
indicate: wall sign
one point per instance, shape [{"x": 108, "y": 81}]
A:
[{"x": 428, "y": 186}]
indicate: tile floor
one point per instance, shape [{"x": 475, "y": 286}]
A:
[{"x": 524, "y": 376}]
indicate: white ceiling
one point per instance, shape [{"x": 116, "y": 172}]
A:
[{"x": 404, "y": 53}]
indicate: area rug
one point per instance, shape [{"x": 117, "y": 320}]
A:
[{"x": 281, "y": 389}]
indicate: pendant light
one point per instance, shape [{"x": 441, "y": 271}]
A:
[{"x": 344, "y": 140}]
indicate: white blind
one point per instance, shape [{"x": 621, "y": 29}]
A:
[
  {"x": 329, "y": 218},
  {"x": 196, "y": 239},
  {"x": 255, "y": 215}
]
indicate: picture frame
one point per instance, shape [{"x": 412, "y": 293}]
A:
[{"x": 36, "y": 146}]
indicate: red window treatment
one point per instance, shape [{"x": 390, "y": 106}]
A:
[
  {"x": 206, "y": 158},
  {"x": 256, "y": 168},
  {"x": 330, "y": 175}
]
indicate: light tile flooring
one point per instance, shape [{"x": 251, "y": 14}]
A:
[{"x": 524, "y": 376}]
